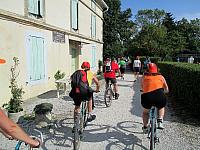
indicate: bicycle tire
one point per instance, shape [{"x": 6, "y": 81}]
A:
[
  {"x": 152, "y": 136},
  {"x": 108, "y": 96},
  {"x": 77, "y": 139},
  {"x": 83, "y": 117}
]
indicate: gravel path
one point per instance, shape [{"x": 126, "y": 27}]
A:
[{"x": 115, "y": 128}]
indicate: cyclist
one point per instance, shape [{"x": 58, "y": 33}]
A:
[
  {"x": 122, "y": 67},
  {"x": 153, "y": 85},
  {"x": 12, "y": 131},
  {"x": 110, "y": 69},
  {"x": 77, "y": 97},
  {"x": 137, "y": 66},
  {"x": 91, "y": 77}
]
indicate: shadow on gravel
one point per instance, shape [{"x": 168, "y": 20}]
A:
[
  {"x": 136, "y": 104},
  {"x": 177, "y": 112},
  {"x": 121, "y": 136},
  {"x": 59, "y": 135},
  {"x": 48, "y": 95}
]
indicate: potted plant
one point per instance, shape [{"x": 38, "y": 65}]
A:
[
  {"x": 14, "y": 106},
  {"x": 57, "y": 76}
]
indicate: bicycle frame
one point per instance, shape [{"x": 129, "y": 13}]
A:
[{"x": 152, "y": 130}]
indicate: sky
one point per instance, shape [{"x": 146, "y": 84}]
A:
[{"x": 189, "y": 9}]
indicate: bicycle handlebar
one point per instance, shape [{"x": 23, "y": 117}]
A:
[{"x": 40, "y": 139}]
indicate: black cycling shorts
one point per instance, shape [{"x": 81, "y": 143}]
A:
[
  {"x": 137, "y": 69},
  {"x": 156, "y": 98},
  {"x": 78, "y": 97},
  {"x": 122, "y": 70},
  {"x": 112, "y": 80}
]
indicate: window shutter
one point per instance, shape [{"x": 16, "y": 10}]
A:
[
  {"x": 37, "y": 65},
  {"x": 33, "y": 6},
  {"x": 74, "y": 14},
  {"x": 42, "y": 7},
  {"x": 93, "y": 31},
  {"x": 93, "y": 56},
  {"x": 33, "y": 58},
  {"x": 93, "y": 5},
  {"x": 40, "y": 60}
]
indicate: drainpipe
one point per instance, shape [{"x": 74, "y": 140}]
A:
[{"x": 105, "y": 6}]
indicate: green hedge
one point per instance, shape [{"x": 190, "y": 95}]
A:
[{"x": 184, "y": 82}]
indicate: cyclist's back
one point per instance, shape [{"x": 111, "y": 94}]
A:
[
  {"x": 153, "y": 85},
  {"x": 110, "y": 74}
]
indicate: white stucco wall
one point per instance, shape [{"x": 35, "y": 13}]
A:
[
  {"x": 15, "y": 6},
  {"x": 58, "y": 13},
  {"x": 13, "y": 44}
]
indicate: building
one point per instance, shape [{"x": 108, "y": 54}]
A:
[{"x": 48, "y": 36}]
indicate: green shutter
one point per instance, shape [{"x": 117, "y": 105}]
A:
[
  {"x": 42, "y": 7},
  {"x": 74, "y": 14},
  {"x": 40, "y": 60},
  {"x": 37, "y": 65},
  {"x": 93, "y": 5},
  {"x": 93, "y": 24},
  {"x": 93, "y": 56},
  {"x": 33, "y": 6}
]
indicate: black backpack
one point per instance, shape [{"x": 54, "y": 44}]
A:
[{"x": 79, "y": 84}]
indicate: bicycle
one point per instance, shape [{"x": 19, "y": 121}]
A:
[
  {"x": 22, "y": 145},
  {"x": 108, "y": 95},
  {"x": 80, "y": 122},
  {"x": 152, "y": 128}
]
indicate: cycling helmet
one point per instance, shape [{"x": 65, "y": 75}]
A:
[
  {"x": 2, "y": 61},
  {"x": 85, "y": 65},
  {"x": 152, "y": 68}
]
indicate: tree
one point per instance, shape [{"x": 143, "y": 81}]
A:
[
  {"x": 169, "y": 22},
  {"x": 117, "y": 29},
  {"x": 149, "y": 17}
]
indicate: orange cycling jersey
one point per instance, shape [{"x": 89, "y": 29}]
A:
[{"x": 152, "y": 82}]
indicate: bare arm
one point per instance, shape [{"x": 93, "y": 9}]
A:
[
  {"x": 10, "y": 128},
  {"x": 96, "y": 81},
  {"x": 165, "y": 86}
]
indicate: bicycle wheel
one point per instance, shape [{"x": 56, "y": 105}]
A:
[
  {"x": 83, "y": 117},
  {"x": 77, "y": 133},
  {"x": 108, "y": 97},
  {"x": 152, "y": 136}
]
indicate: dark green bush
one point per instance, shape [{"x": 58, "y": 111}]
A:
[{"x": 183, "y": 80}]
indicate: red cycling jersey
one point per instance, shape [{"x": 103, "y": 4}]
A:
[{"x": 112, "y": 74}]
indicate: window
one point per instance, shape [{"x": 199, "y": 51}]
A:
[
  {"x": 36, "y": 8},
  {"x": 36, "y": 61},
  {"x": 93, "y": 5},
  {"x": 74, "y": 14},
  {"x": 93, "y": 52},
  {"x": 93, "y": 26}
]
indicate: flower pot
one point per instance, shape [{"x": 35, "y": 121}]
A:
[{"x": 15, "y": 116}]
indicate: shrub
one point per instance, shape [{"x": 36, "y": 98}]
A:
[{"x": 183, "y": 80}]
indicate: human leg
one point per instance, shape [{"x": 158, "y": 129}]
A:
[
  {"x": 91, "y": 116},
  {"x": 115, "y": 87},
  {"x": 145, "y": 117},
  {"x": 160, "y": 102},
  {"x": 161, "y": 112}
]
